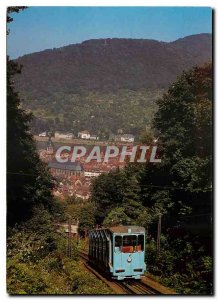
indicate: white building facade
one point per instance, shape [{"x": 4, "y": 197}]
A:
[{"x": 84, "y": 135}]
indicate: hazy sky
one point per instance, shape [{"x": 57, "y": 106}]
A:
[{"x": 39, "y": 28}]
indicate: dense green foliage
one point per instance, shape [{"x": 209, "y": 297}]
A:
[
  {"x": 81, "y": 212},
  {"x": 100, "y": 113},
  {"x": 178, "y": 189},
  {"x": 37, "y": 262}
]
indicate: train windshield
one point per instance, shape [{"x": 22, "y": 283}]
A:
[{"x": 129, "y": 243}]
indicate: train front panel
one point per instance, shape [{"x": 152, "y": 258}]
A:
[{"x": 128, "y": 256}]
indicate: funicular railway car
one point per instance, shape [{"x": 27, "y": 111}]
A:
[{"x": 119, "y": 251}]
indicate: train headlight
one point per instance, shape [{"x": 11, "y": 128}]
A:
[{"x": 129, "y": 259}]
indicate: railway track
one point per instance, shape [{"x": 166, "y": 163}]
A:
[
  {"x": 116, "y": 287},
  {"x": 142, "y": 287}
]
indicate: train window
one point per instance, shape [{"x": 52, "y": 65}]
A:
[
  {"x": 140, "y": 242},
  {"x": 129, "y": 240},
  {"x": 129, "y": 243},
  {"x": 118, "y": 243}
]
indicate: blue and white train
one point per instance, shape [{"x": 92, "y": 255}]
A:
[{"x": 119, "y": 251}]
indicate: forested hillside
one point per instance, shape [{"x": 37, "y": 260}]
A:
[{"x": 114, "y": 81}]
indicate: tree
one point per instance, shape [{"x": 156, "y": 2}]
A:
[
  {"x": 184, "y": 121},
  {"x": 107, "y": 193},
  {"x": 117, "y": 217},
  {"x": 28, "y": 180},
  {"x": 184, "y": 116},
  {"x": 87, "y": 217}
]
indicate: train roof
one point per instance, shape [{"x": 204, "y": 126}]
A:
[
  {"x": 127, "y": 229},
  {"x": 121, "y": 229}
]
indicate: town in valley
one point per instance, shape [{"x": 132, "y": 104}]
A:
[{"x": 74, "y": 179}]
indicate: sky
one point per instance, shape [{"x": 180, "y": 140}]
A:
[{"x": 39, "y": 28}]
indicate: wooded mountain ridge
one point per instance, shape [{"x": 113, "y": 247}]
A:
[{"x": 111, "y": 64}]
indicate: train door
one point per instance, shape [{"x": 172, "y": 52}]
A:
[{"x": 117, "y": 255}]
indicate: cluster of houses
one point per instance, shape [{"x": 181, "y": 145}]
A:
[
  {"x": 77, "y": 187},
  {"x": 86, "y": 135},
  {"x": 75, "y": 178},
  {"x": 69, "y": 135}
]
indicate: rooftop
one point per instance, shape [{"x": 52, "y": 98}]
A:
[
  {"x": 125, "y": 229},
  {"x": 70, "y": 166}
]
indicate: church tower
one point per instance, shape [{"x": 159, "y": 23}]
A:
[{"x": 50, "y": 147}]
